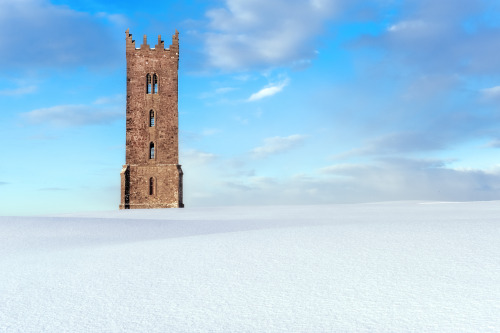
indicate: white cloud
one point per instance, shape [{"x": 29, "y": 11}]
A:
[
  {"x": 411, "y": 179},
  {"x": 268, "y": 91},
  {"x": 277, "y": 145},
  {"x": 261, "y": 33},
  {"x": 212, "y": 180},
  {"x": 383, "y": 180}
]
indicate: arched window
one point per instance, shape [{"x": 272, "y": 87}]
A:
[
  {"x": 151, "y": 150},
  {"x": 148, "y": 84},
  {"x": 151, "y": 118},
  {"x": 151, "y": 186},
  {"x": 155, "y": 84}
]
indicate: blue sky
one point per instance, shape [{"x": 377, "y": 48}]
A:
[{"x": 280, "y": 102}]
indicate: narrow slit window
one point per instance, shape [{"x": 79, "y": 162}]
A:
[
  {"x": 151, "y": 118},
  {"x": 151, "y": 150},
  {"x": 148, "y": 84},
  {"x": 151, "y": 186},
  {"x": 155, "y": 84}
]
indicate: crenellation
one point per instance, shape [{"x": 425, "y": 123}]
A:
[
  {"x": 160, "y": 45},
  {"x": 130, "y": 43},
  {"x": 145, "y": 47}
]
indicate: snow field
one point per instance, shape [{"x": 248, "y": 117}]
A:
[{"x": 405, "y": 267}]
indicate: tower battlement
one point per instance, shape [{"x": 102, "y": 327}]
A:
[{"x": 160, "y": 46}]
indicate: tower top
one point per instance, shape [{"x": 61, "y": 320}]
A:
[{"x": 145, "y": 46}]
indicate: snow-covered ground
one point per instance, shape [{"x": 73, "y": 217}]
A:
[{"x": 392, "y": 267}]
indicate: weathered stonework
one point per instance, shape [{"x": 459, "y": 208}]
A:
[{"x": 152, "y": 176}]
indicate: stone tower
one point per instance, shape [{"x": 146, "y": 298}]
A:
[{"x": 152, "y": 176}]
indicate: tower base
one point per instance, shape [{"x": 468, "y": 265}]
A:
[{"x": 158, "y": 186}]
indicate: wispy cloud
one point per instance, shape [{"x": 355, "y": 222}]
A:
[
  {"x": 103, "y": 110},
  {"x": 53, "y": 189},
  {"x": 277, "y": 144},
  {"x": 42, "y": 137},
  {"x": 410, "y": 25},
  {"x": 491, "y": 93},
  {"x": 117, "y": 19},
  {"x": 224, "y": 90},
  {"x": 73, "y": 115},
  {"x": 19, "y": 91},
  {"x": 401, "y": 142},
  {"x": 217, "y": 92},
  {"x": 197, "y": 156},
  {"x": 4, "y": 183},
  {"x": 189, "y": 136},
  {"x": 426, "y": 26},
  {"x": 494, "y": 144},
  {"x": 268, "y": 91},
  {"x": 249, "y": 33},
  {"x": 209, "y": 131},
  {"x": 116, "y": 99},
  {"x": 55, "y": 36},
  {"x": 435, "y": 130}
]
